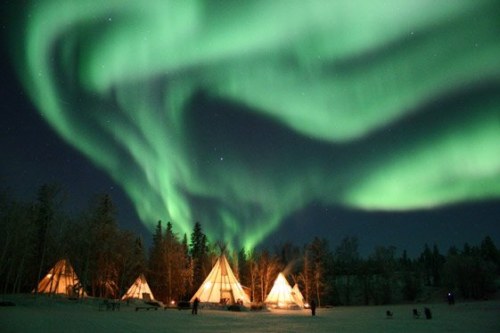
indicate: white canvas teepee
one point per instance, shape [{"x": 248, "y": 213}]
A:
[
  {"x": 61, "y": 279},
  {"x": 221, "y": 286},
  {"x": 297, "y": 295},
  {"x": 281, "y": 295},
  {"x": 139, "y": 290}
]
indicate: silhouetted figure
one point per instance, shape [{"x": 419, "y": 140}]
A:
[
  {"x": 451, "y": 298},
  {"x": 196, "y": 302},
  {"x": 313, "y": 307},
  {"x": 428, "y": 314},
  {"x": 389, "y": 314},
  {"x": 416, "y": 315}
]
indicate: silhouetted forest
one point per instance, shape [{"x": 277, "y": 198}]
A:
[{"x": 35, "y": 235}]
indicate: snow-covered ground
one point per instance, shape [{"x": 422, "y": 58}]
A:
[{"x": 61, "y": 315}]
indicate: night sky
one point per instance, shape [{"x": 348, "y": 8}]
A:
[{"x": 266, "y": 121}]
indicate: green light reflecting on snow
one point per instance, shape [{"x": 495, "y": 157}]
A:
[{"x": 120, "y": 80}]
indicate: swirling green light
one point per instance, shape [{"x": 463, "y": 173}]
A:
[{"x": 128, "y": 83}]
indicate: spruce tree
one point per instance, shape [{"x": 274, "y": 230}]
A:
[{"x": 198, "y": 251}]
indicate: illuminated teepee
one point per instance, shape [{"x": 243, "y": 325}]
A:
[
  {"x": 297, "y": 296},
  {"x": 221, "y": 286},
  {"x": 139, "y": 290},
  {"x": 282, "y": 296},
  {"x": 61, "y": 279}
]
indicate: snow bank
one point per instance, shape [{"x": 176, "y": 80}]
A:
[{"x": 48, "y": 314}]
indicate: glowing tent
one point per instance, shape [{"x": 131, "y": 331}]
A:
[
  {"x": 297, "y": 296},
  {"x": 139, "y": 290},
  {"x": 61, "y": 279},
  {"x": 221, "y": 286},
  {"x": 282, "y": 296}
]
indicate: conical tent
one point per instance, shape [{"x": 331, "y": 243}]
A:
[
  {"x": 297, "y": 296},
  {"x": 139, "y": 289},
  {"x": 221, "y": 286},
  {"x": 281, "y": 295},
  {"x": 61, "y": 279}
]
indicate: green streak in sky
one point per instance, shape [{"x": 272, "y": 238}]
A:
[{"x": 148, "y": 91}]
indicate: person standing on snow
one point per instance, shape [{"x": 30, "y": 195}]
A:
[
  {"x": 313, "y": 307},
  {"x": 196, "y": 302}
]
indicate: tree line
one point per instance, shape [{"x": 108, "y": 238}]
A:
[{"x": 37, "y": 234}]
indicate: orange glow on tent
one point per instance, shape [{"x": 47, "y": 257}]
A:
[
  {"x": 61, "y": 279},
  {"x": 282, "y": 295}
]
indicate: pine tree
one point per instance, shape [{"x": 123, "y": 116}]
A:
[
  {"x": 384, "y": 265},
  {"x": 175, "y": 265},
  {"x": 305, "y": 275},
  {"x": 437, "y": 263},
  {"x": 157, "y": 263},
  {"x": 198, "y": 249},
  {"x": 426, "y": 262},
  {"x": 346, "y": 265},
  {"x": 243, "y": 268},
  {"x": 320, "y": 257},
  {"x": 489, "y": 252},
  {"x": 45, "y": 216},
  {"x": 187, "y": 269},
  {"x": 103, "y": 267}
]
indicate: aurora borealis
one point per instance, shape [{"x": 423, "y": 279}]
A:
[{"x": 238, "y": 114}]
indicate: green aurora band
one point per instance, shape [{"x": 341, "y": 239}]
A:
[{"x": 239, "y": 113}]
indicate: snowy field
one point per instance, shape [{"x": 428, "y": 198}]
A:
[{"x": 61, "y": 315}]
